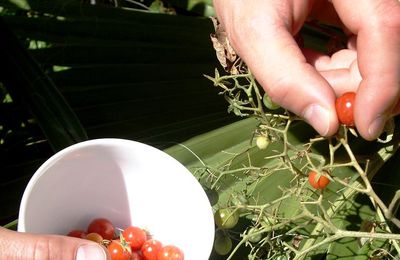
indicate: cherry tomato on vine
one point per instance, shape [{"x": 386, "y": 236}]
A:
[
  {"x": 269, "y": 103},
  {"x": 170, "y": 253},
  {"x": 254, "y": 235},
  {"x": 150, "y": 249},
  {"x": 117, "y": 251},
  {"x": 222, "y": 243},
  {"x": 135, "y": 237},
  {"x": 262, "y": 142},
  {"x": 226, "y": 218},
  {"x": 345, "y": 108},
  {"x": 103, "y": 227},
  {"x": 77, "y": 233},
  {"x": 318, "y": 183}
]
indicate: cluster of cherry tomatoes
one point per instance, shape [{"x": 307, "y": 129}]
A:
[{"x": 133, "y": 243}]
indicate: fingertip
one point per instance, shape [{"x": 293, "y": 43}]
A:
[
  {"x": 376, "y": 127},
  {"x": 322, "y": 119},
  {"x": 91, "y": 251},
  {"x": 374, "y": 106}
]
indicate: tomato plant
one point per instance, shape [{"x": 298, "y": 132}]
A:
[
  {"x": 77, "y": 233},
  {"x": 170, "y": 253},
  {"x": 284, "y": 219},
  {"x": 226, "y": 218},
  {"x": 118, "y": 252},
  {"x": 318, "y": 182},
  {"x": 135, "y": 237},
  {"x": 103, "y": 227},
  {"x": 150, "y": 249},
  {"x": 345, "y": 108}
]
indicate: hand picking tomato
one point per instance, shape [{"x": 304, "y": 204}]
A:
[
  {"x": 318, "y": 183},
  {"x": 77, "y": 233},
  {"x": 150, "y": 249},
  {"x": 118, "y": 252},
  {"x": 170, "y": 253},
  {"x": 135, "y": 237},
  {"x": 345, "y": 108},
  {"x": 103, "y": 227}
]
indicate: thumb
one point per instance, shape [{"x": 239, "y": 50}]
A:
[{"x": 18, "y": 246}]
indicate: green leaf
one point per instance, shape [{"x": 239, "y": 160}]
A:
[
  {"x": 26, "y": 81},
  {"x": 23, "y": 4}
]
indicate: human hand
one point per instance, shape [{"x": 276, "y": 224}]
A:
[
  {"x": 307, "y": 82},
  {"x": 21, "y": 246}
]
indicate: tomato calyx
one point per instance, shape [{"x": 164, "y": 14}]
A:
[{"x": 125, "y": 244}]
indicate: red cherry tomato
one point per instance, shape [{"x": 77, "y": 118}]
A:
[
  {"x": 77, "y": 233},
  {"x": 103, "y": 227},
  {"x": 320, "y": 183},
  {"x": 117, "y": 251},
  {"x": 345, "y": 108},
  {"x": 137, "y": 256},
  {"x": 170, "y": 253},
  {"x": 135, "y": 237},
  {"x": 150, "y": 249}
]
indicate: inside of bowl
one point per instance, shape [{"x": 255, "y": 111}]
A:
[{"x": 127, "y": 182}]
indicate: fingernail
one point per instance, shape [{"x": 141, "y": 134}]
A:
[
  {"x": 376, "y": 127},
  {"x": 318, "y": 117},
  {"x": 87, "y": 252}
]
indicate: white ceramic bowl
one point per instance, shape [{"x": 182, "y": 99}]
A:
[{"x": 127, "y": 182}]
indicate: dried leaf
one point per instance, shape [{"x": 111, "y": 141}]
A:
[{"x": 226, "y": 55}]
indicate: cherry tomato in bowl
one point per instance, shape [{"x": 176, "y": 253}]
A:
[
  {"x": 135, "y": 237},
  {"x": 103, "y": 227},
  {"x": 170, "y": 252},
  {"x": 117, "y": 251}
]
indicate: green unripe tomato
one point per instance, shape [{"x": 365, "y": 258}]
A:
[
  {"x": 222, "y": 243},
  {"x": 262, "y": 142},
  {"x": 254, "y": 238},
  {"x": 226, "y": 218},
  {"x": 268, "y": 103}
]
